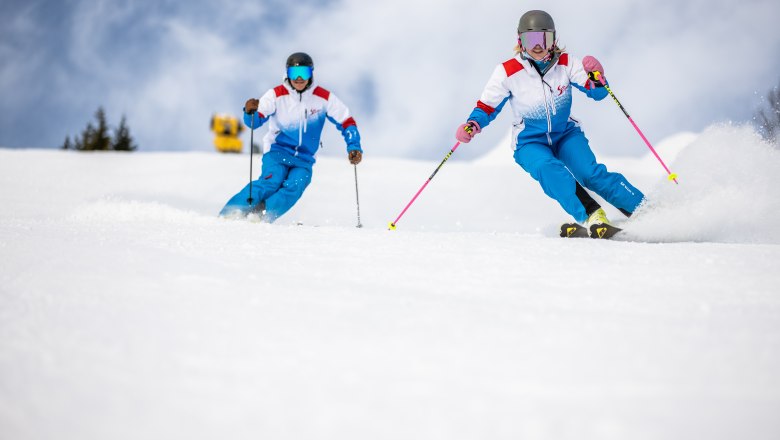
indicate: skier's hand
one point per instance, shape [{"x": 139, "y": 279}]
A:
[
  {"x": 467, "y": 131},
  {"x": 251, "y": 106},
  {"x": 355, "y": 156},
  {"x": 595, "y": 72}
]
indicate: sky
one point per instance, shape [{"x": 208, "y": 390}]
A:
[
  {"x": 129, "y": 310},
  {"x": 410, "y": 71}
]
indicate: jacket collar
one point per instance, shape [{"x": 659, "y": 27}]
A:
[
  {"x": 531, "y": 66},
  {"x": 292, "y": 90}
]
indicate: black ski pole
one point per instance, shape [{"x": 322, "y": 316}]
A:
[
  {"x": 357, "y": 198},
  {"x": 249, "y": 199}
]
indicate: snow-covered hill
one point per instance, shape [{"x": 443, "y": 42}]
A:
[{"x": 129, "y": 311}]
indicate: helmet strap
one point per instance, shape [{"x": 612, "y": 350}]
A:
[{"x": 528, "y": 56}]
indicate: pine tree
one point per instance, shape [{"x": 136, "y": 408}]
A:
[
  {"x": 101, "y": 139},
  {"x": 767, "y": 118},
  {"x": 122, "y": 139},
  {"x": 96, "y": 137},
  {"x": 86, "y": 141}
]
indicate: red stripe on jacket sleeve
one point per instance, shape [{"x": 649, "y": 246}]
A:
[
  {"x": 322, "y": 93},
  {"x": 512, "y": 66},
  {"x": 486, "y": 108},
  {"x": 348, "y": 122},
  {"x": 563, "y": 60},
  {"x": 281, "y": 91}
]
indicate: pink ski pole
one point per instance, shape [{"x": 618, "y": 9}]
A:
[
  {"x": 595, "y": 77},
  {"x": 391, "y": 226}
]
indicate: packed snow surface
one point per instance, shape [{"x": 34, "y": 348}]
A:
[{"x": 128, "y": 310}]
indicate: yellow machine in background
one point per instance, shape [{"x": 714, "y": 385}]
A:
[{"x": 226, "y": 129}]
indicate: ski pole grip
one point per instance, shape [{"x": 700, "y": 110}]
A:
[{"x": 595, "y": 76}]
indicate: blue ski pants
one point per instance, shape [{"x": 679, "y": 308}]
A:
[
  {"x": 283, "y": 179},
  {"x": 569, "y": 157}
]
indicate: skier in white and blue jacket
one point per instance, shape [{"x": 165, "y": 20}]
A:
[
  {"x": 295, "y": 112},
  {"x": 548, "y": 142}
]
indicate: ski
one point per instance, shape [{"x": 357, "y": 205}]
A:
[
  {"x": 599, "y": 231},
  {"x": 573, "y": 230},
  {"x": 603, "y": 231}
]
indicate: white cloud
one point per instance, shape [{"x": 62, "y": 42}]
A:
[{"x": 410, "y": 70}]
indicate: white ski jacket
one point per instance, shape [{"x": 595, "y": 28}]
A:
[
  {"x": 296, "y": 120},
  {"x": 541, "y": 106}
]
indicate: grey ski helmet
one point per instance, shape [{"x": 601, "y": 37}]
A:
[
  {"x": 300, "y": 59},
  {"x": 535, "y": 21}
]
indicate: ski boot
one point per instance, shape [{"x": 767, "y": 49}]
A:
[{"x": 598, "y": 225}]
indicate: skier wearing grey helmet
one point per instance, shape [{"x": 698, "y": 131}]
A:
[
  {"x": 547, "y": 140},
  {"x": 296, "y": 112},
  {"x": 535, "y": 21}
]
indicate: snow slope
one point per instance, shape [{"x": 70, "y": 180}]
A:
[{"x": 129, "y": 311}]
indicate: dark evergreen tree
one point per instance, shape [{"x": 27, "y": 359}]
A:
[
  {"x": 767, "y": 118},
  {"x": 86, "y": 141},
  {"x": 96, "y": 137},
  {"x": 101, "y": 139},
  {"x": 122, "y": 139}
]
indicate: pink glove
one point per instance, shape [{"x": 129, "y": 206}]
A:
[
  {"x": 467, "y": 131},
  {"x": 591, "y": 65}
]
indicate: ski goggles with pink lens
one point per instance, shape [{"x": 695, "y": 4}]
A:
[
  {"x": 545, "y": 39},
  {"x": 302, "y": 72}
]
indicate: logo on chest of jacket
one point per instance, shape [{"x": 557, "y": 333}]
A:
[
  {"x": 561, "y": 89},
  {"x": 314, "y": 111}
]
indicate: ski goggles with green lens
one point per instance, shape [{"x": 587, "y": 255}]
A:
[
  {"x": 302, "y": 72},
  {"x": 545, "y": 39}
]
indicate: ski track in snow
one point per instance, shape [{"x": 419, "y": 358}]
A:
[{"x": 128, "y": 310}]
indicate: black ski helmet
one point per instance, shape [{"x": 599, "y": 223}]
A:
[
  {"x": 300, "y": 59},
  {"x": 535, "y": 21}
]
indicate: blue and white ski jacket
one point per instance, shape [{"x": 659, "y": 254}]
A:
[
  {"x": 540, "y": 105},
  {"x": 295, "y": 120}
]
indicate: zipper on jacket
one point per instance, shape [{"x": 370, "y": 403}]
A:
[
  {"x": 301, "y": 124},
  {"x": 547, "y": 109}
]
